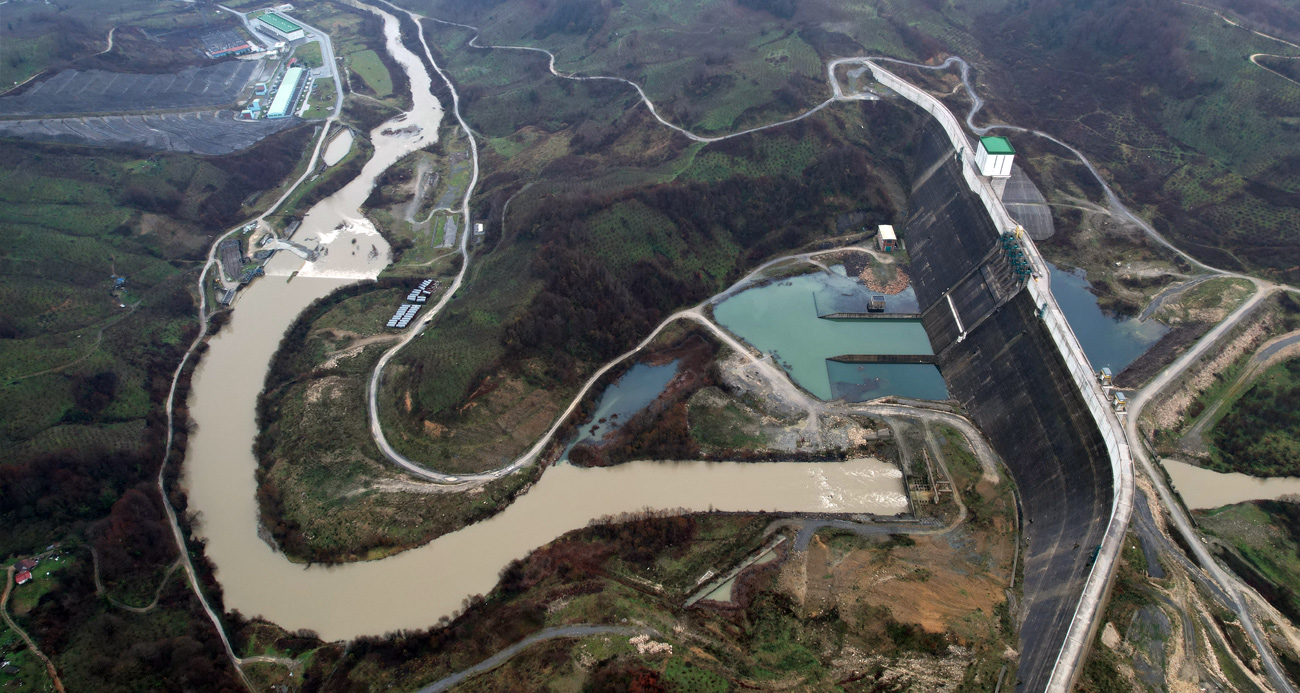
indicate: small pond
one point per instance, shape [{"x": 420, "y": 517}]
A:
[
  {"x": 338, "y": 147},
  {"x": 1203, "y": 488},
  {"x": 1107, "y": 341},
  {"x": 781, "y": 318},
  {"x": 631, "y": 393}
]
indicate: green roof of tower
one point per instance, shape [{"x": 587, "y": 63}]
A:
[{"x": 997, "y": 145}]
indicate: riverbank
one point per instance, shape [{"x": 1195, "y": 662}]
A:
[{"x": 325, "y": 494}]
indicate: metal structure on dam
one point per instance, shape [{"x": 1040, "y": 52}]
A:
[{"x": 1008, "y": 354}]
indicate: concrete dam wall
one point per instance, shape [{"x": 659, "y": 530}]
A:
[{"x": 1000, "y": 360}]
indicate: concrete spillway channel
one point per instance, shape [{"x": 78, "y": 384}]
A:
[{"x": 1008, "y": 353}]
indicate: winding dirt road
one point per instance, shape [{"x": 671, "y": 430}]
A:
[{"x": 31, "y": 644}]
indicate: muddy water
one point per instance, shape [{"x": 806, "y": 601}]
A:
[
  {"x": 1203, "y": 489},
  {"x": 338, "y": 148},
  {"x": 353, "y": 247},
  {"x": 414, "y": 589}
]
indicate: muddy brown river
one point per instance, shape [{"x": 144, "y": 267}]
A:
[{"x": 415, "y": 588}]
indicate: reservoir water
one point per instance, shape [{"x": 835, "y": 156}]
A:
[
  {"x": 1106, "y": 340},
  {"x": 781, "y": 318},
  {"x": 1204, "y": 488},
  {"x": 638, "y": 387},
  {"x": 414, "y": 589}
]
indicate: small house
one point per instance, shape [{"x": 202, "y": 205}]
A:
[
  {"x": 23, "y": 578},
  {"x": 886, "y": 239},
  {"x": 25, "y": 565},
  {"x": 1120, "y": 401},
  {"x": 877, "y": 304}
]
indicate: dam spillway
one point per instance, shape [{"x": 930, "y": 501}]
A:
[{"x": 1024, "y": 389}]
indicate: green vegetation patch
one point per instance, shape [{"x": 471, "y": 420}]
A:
[
  {"x": 322, "y": 99},
  {"x": 309, "y": 54},
  {"x": 371, "y": 70},
  {"x": 1263, "y": 546},
  {"x": 326, "y": 492},
  {"x": 1260, "y": 434}
]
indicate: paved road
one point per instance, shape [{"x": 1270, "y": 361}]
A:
[
  {"x": 501, "y": 657},
  {"x": 1181, "y": 521},
  {"x": 326, "y": 52}
]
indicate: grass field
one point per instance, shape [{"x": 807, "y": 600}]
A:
[
  {"x": 309, "y": 54},
  {"x": 322, "y": 99},
  {"x": 1263, "y": 535},
  {"x": 21, "y": 58},
  {"x": 369, "y": 68}
]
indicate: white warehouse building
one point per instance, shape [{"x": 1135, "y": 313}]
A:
[
  {"x": 281, "y": 27},
  {"x": 287, "y": 95}
]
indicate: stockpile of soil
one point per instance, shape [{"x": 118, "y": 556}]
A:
[{"x": 893, "y": 286}]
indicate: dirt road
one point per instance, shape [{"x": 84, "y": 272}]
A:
[{"x": 31, "y": 644}]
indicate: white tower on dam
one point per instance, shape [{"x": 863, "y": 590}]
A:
[{"x": 994, "y": 157}]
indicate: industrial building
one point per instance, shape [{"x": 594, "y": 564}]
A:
[
  {"x": 253, "y": 111},
  {"x": 220, "y": 44},
  {"x": 231, "y": 254},
  {"x": 280, "y": 27},
  {"x": 287, "y": 95}
]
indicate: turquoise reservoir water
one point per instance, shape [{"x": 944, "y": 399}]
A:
[
  {"x": 638, "y": 387},
  {"x": 1107, "y": 341},
  {"x": 781, "y": 319},
  {"x": 859, "y": 382}
]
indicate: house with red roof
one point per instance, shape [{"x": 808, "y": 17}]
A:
[{"x": 23, "y": 577}]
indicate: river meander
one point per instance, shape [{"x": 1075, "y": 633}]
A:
[{"x": 413, "y": 589}]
